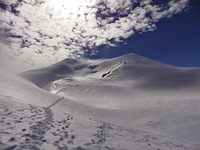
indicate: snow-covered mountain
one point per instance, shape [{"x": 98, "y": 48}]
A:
[
  {"x": 125, "y": 103},
  {"x": 118, "y": 82},
  {"x": 133, "y": 69}
]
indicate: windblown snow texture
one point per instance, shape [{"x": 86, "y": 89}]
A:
[{"x": 129, "y": 103}]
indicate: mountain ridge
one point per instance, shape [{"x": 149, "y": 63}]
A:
[{"x": 120, "y": 68}]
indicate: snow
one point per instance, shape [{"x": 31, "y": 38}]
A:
[{"x": 129, "y": 103}]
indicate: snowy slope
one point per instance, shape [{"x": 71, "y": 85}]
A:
[
  {"x": 148, "y": 93},
  {"x": 109, "y": 104},
  {"x": 118, "y": 82},
  {"x": 130, "y": 68}
]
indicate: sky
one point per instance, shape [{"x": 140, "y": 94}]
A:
[
  {"x": 38, "y": 33},
  {"x": 176, "y": 40}
]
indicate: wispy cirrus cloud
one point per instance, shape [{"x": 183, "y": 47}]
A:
[{"x": 41, "y": 32}]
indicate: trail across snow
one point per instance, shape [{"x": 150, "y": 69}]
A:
[{"x": 34, "y": 127}]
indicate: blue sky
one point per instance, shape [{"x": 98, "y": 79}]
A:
[
  {"x": 39, "y": 33},
  {"x": 175, "y": 41}
]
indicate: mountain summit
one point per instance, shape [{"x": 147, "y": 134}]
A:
[
  {"x": 117, "y": 82},
  {"x": 133, "y": 69}
]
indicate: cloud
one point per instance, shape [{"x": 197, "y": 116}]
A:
[
  {"x": 8, "y": 2},
  {"x": 41, "y": 32}
]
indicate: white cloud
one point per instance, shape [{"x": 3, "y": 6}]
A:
[
  {"x": 8, "y": 2},
  {"x": 43, "y": 32}
]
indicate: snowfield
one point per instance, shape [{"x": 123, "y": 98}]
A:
[{"x": 125, "y": 103}]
